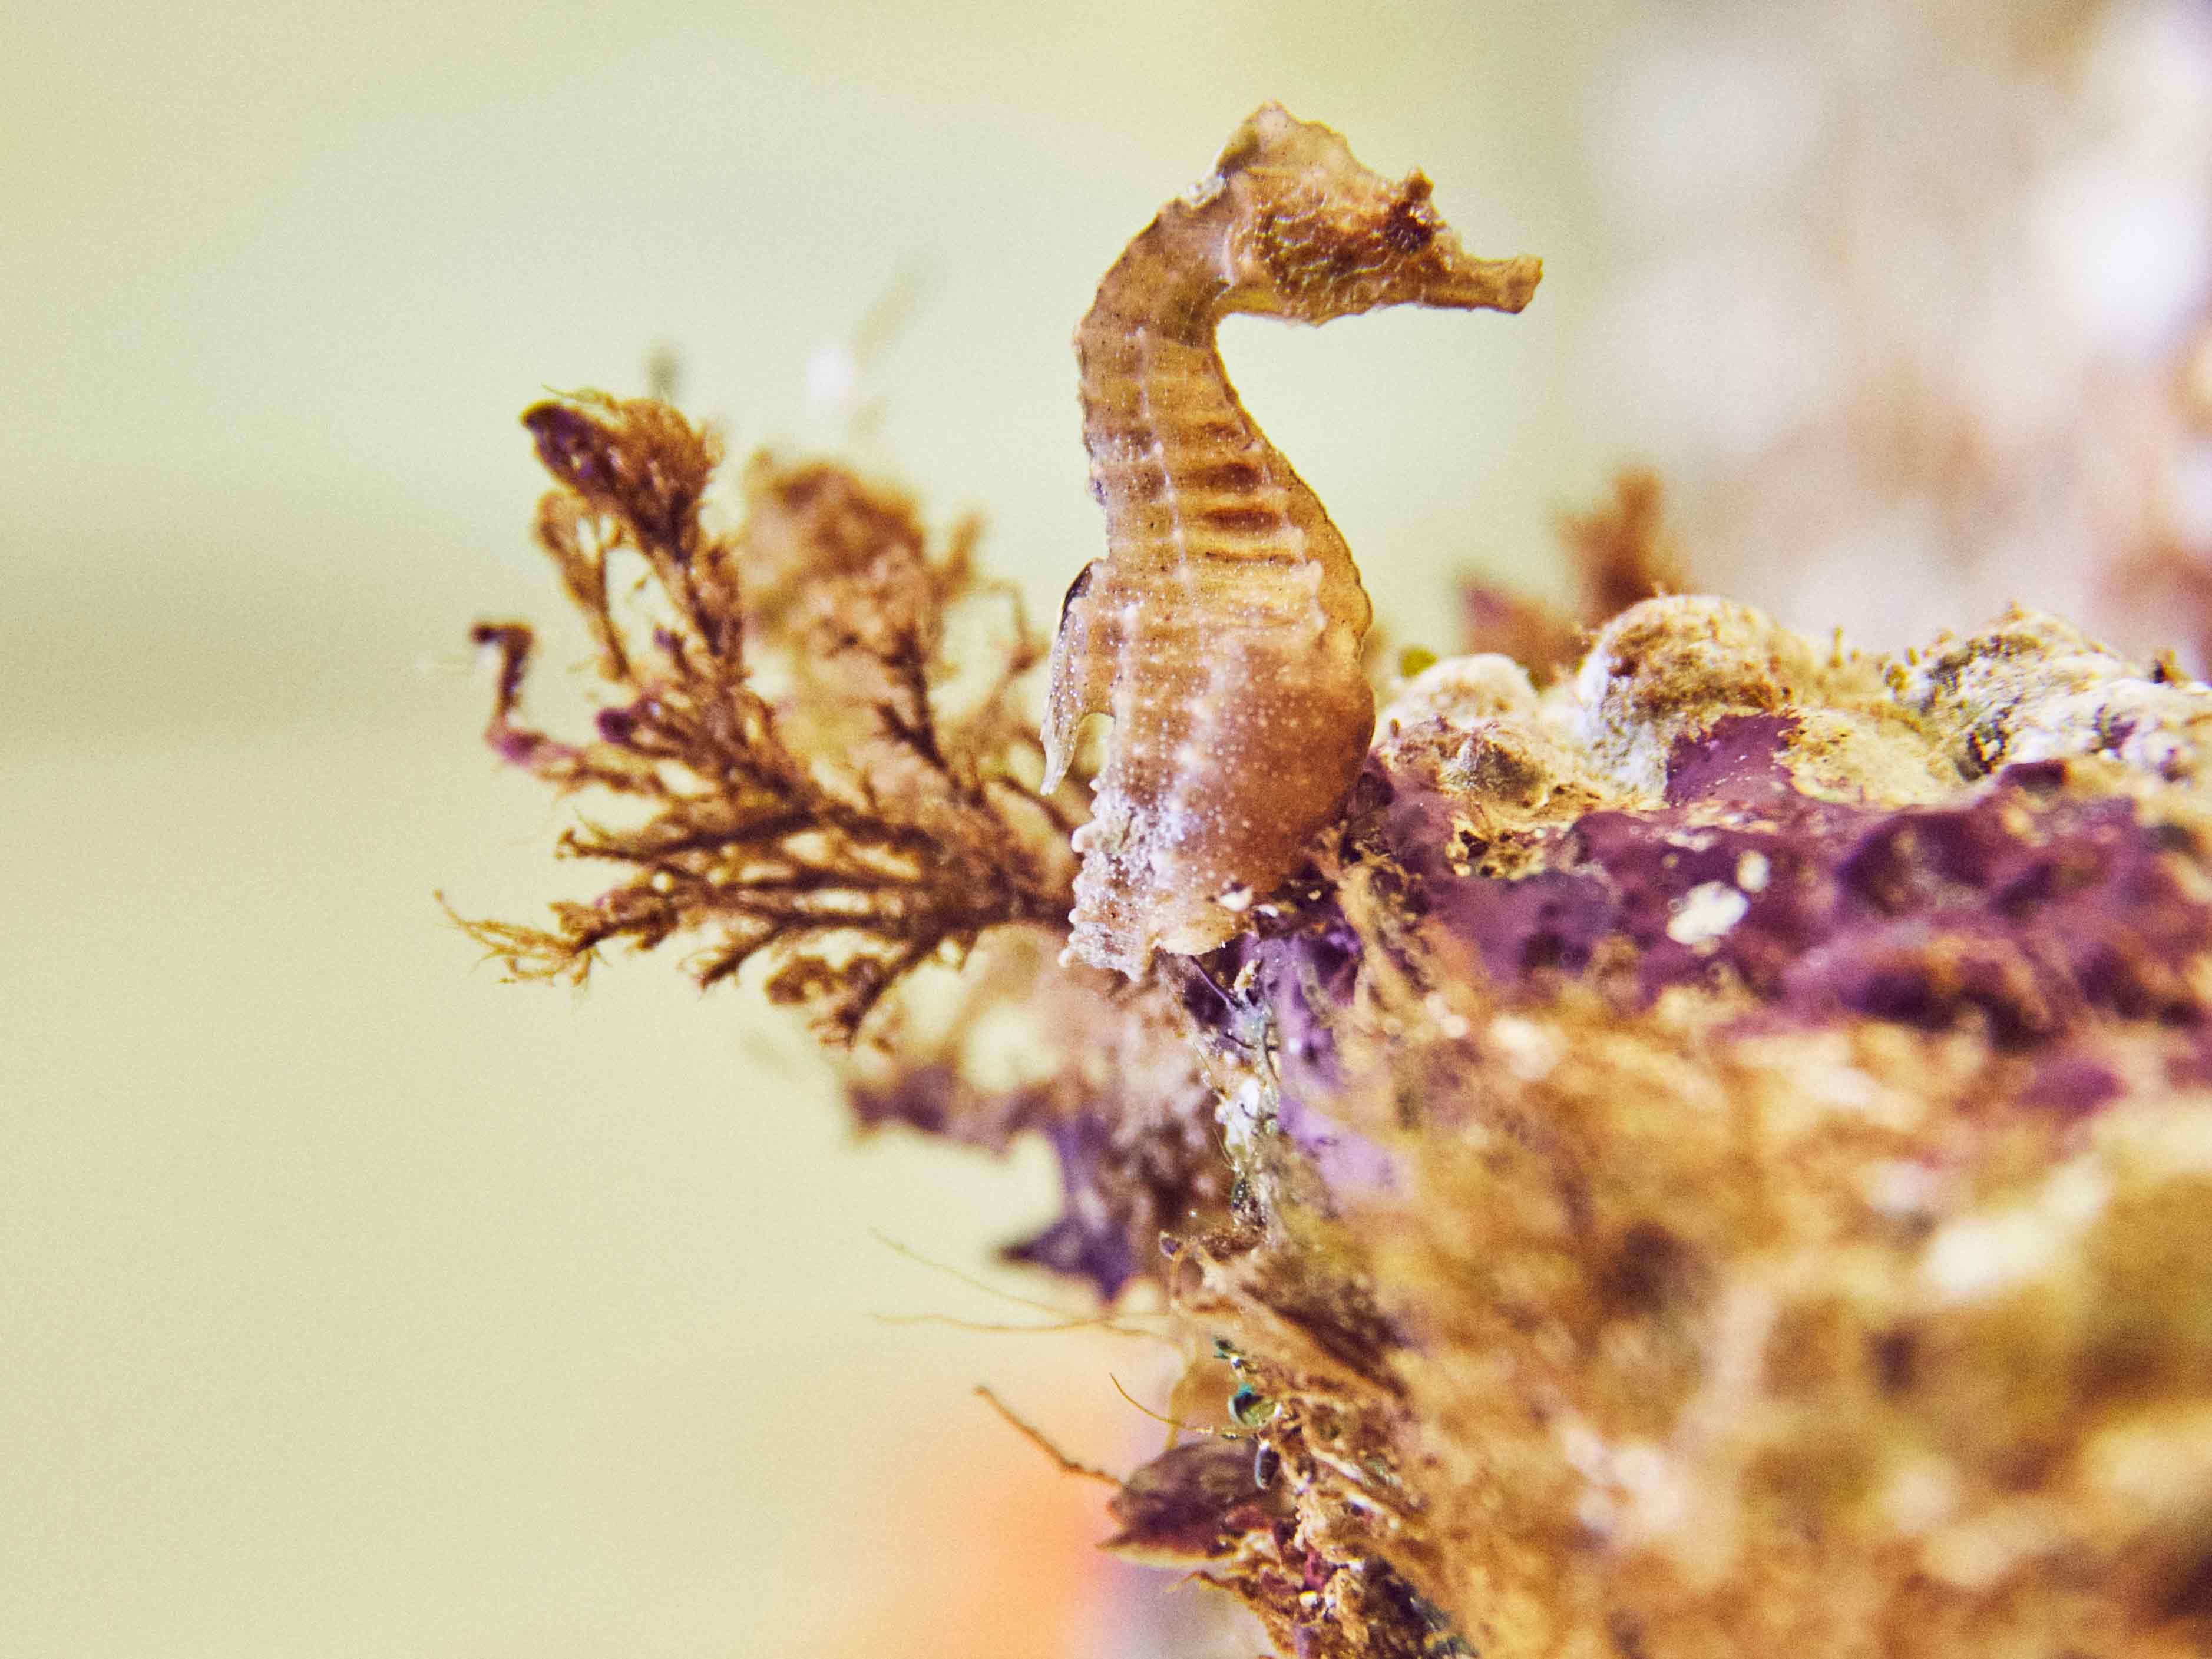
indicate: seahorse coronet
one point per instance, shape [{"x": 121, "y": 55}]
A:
[{"x": 1222, "y": 629}]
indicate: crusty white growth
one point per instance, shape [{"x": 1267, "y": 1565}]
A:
[
  {"x": 1862, "y": 728},
  {"x": 1668, "y": 669},
  {"x": 2033, "y": 687}
]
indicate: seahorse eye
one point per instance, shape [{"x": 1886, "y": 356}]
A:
[{"x": 1411, "y": 225}]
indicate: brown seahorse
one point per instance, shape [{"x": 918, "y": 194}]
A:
[{"x": 1222, "y": 630}]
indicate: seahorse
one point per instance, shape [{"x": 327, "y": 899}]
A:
[{"x": 1222, "y": 629}]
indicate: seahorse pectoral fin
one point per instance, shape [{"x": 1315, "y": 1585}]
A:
[
  {"x": 1081, "y": 677},
  {"x": 1058, "y": 742}
]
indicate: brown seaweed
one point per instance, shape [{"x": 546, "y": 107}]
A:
[{"x": 858, "y": 824}]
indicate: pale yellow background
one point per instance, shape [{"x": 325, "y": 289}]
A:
[{"x": 351, "y": 1302}]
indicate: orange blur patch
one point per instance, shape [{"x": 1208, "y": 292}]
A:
[{"x": 980, "y": 1547}]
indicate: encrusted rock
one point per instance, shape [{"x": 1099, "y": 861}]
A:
[{"x": 1741, "y": 1177}]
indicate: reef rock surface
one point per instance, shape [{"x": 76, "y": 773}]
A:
[{"x": 1726, "y": 1166}]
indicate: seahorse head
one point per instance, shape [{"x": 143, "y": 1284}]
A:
[{"x": 1316, "y": 235}]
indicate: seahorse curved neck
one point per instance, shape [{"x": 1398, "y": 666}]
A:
[{"x": 1172, "y": 446}]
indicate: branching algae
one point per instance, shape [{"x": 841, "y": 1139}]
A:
[{"x": 848, "y": 831}]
